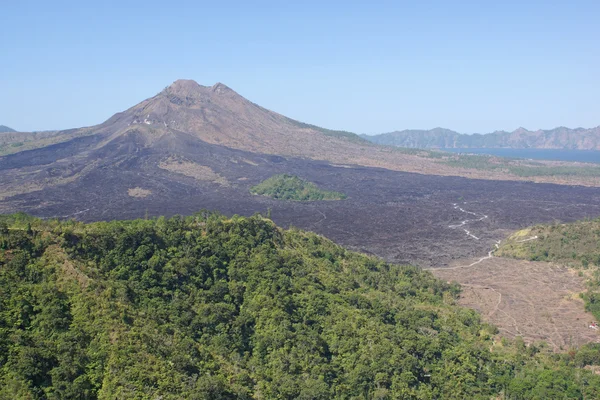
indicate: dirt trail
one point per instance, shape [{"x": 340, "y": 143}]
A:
[
  {"x": 467, "y": 221},
  {"x": 463, "y": 223},
  {"x": 490, "y": 255},
  {"x": 526, "y": 240}
]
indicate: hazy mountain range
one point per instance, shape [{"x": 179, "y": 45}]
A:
[
  {"x": 4, "y": 128},
  {"x": 440, "y": 138}
]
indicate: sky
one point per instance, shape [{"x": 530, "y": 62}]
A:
[{"x": 366, "y": 67}]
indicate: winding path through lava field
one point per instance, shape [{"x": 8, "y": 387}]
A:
[{"x": 467, "y": 221}]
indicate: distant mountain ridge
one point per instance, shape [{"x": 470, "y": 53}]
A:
[
  {"x": 557, "y": 138},
  {"x": 4, "y": 128}
]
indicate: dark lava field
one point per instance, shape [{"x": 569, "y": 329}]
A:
[{"x": 402, "y": 217}]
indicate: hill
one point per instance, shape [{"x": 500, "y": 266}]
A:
[
  {"x": 215, "y": 114},
  {"x": 4, "y": 128},
  {"x": 178, "y": 125},
  {"x": 557, "y": 138},
  {"x": 14, "y": 142},
  {"x": 209, "y": 307},
  {"x": 291, "y": 187},
  {"x": 437, "y": 138},
  {"x": 575, "y": 244}
]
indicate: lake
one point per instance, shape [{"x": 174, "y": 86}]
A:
[{"x": 591, "y": 156}]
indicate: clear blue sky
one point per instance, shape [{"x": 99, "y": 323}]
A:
[{"x": 367, "y": 67}]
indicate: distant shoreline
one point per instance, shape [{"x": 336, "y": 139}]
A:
[{"x": 590, "y": 156}]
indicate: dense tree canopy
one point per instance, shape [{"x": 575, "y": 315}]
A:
[
  {"x": 575, "y": 244},
  {"x": 209, "y": 307}
]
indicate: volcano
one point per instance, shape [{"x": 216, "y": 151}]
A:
[
  {"x": 218, "y": 115},
  {"x": 180, "y": 130}
]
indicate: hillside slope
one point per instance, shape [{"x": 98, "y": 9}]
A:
[
  {"x": 213, "y": 308},
  {"x": 218, "y": 115},
  {"x": 214, "y": 114},
  {"x": 574, "y": 244},
  {"x": 4, "y": 128},
  {"x": 557, "y": 138}
]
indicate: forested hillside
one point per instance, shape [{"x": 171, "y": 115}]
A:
[
  {"x": 574, "y": 244},
  {"x": 209, "y": 307}
]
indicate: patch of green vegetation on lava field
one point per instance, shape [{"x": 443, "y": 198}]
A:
[{"x": 291, "y": 187}]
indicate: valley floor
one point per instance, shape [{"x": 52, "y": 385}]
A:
[{"x": 535, "y": 300}]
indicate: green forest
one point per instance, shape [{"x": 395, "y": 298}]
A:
[
  {"x": 212, "y": 307},
  {"x": 575, "y": 244},
  {"x": 291, "y": 187}
]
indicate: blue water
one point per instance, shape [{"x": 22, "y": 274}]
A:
[{"x": 591, "y": 156}]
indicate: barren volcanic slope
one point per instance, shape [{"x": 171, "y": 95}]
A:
[
  {"x": 216, "y": 115},
  {"x": 183, "y": 114}
]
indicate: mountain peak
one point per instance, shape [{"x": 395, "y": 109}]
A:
[
  {"x": 190, "y": 90},
  {"x": 220, "y": 85},
  {"x": 4, "y": 128},
  {"x": 521, "y": 130},
  {"x": 184, "y": 87}
]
